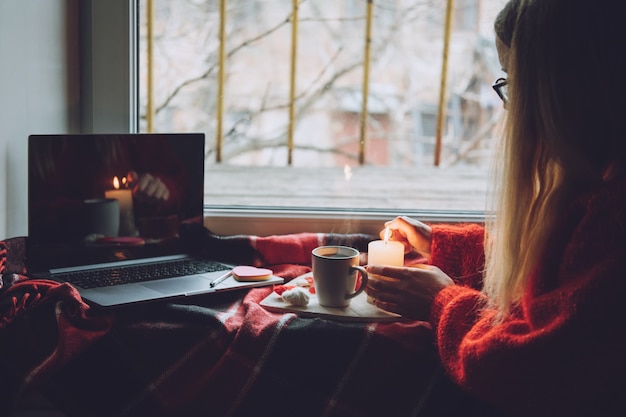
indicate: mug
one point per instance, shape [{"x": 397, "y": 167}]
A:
[
  {"x": 335, "y": 274},
  {"x": 101, "y": 216}
]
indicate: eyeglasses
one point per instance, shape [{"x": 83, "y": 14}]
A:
[{"x": 500, "y": 86}]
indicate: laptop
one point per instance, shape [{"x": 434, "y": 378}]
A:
[{"x": 108, "y": 214}]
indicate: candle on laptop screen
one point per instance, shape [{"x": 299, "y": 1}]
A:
[{"x": 125, "y": 198}]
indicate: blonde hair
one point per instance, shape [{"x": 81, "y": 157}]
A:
[{"x": 564, "y": 129}]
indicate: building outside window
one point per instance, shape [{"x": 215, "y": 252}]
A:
[{"x": 330, "y": 160}]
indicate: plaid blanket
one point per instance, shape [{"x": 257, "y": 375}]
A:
[{"x": 211, "y": 355}]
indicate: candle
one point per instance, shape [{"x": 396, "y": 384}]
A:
[
  {"x": 385, "y": 252},
  {"x": 125, "y": 198}
]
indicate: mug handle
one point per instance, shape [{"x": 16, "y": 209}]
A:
[{"x": 363, "y": 281}]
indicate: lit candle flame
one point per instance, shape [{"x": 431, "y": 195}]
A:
[
  {"x": 387, "y": 234},
  {"x": 116, "y": 183}
]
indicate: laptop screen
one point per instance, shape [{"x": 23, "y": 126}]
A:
[{"x": 103, "y": 198}]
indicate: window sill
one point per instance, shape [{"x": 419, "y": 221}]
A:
[{"x": 225, "y": 221}]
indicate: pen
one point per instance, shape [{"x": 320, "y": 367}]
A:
[{"x": 220, "y": 279}]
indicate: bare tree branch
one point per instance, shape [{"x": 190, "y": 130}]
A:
[{"x": 213, "y": 67}]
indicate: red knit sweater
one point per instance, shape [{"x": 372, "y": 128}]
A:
[{"x": 563, "y": 352}]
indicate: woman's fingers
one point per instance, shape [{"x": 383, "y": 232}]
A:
[
  {"x": 408, "y": 291},
  {"x": 413, "y": 234}
]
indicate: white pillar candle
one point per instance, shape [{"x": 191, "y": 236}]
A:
[
  {"x": 385, "y": 252},
  {"x": 381, "y": 252},
  {"x": 125, "y": 198}
]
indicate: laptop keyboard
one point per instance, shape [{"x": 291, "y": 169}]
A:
[{"x": 139, "y": 273}]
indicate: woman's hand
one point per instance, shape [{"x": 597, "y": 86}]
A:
[
  {"x": 147, "y": 188},
  {"x": 413, "y": 234},
  {"x": 408, "y": 291}
]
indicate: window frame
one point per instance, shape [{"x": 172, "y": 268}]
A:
[
  {"x": 109, "y": 36},
  {"x": 109, "y": 66}
]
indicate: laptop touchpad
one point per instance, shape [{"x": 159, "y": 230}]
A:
[{"x": 180, "y": 285}]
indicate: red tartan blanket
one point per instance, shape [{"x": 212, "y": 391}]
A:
[{"x": 211, "y": 355}]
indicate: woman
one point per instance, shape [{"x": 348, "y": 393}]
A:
[{"x": 529, "y": 315}]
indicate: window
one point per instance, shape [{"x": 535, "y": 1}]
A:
[{"x": 330, "y": 168}]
